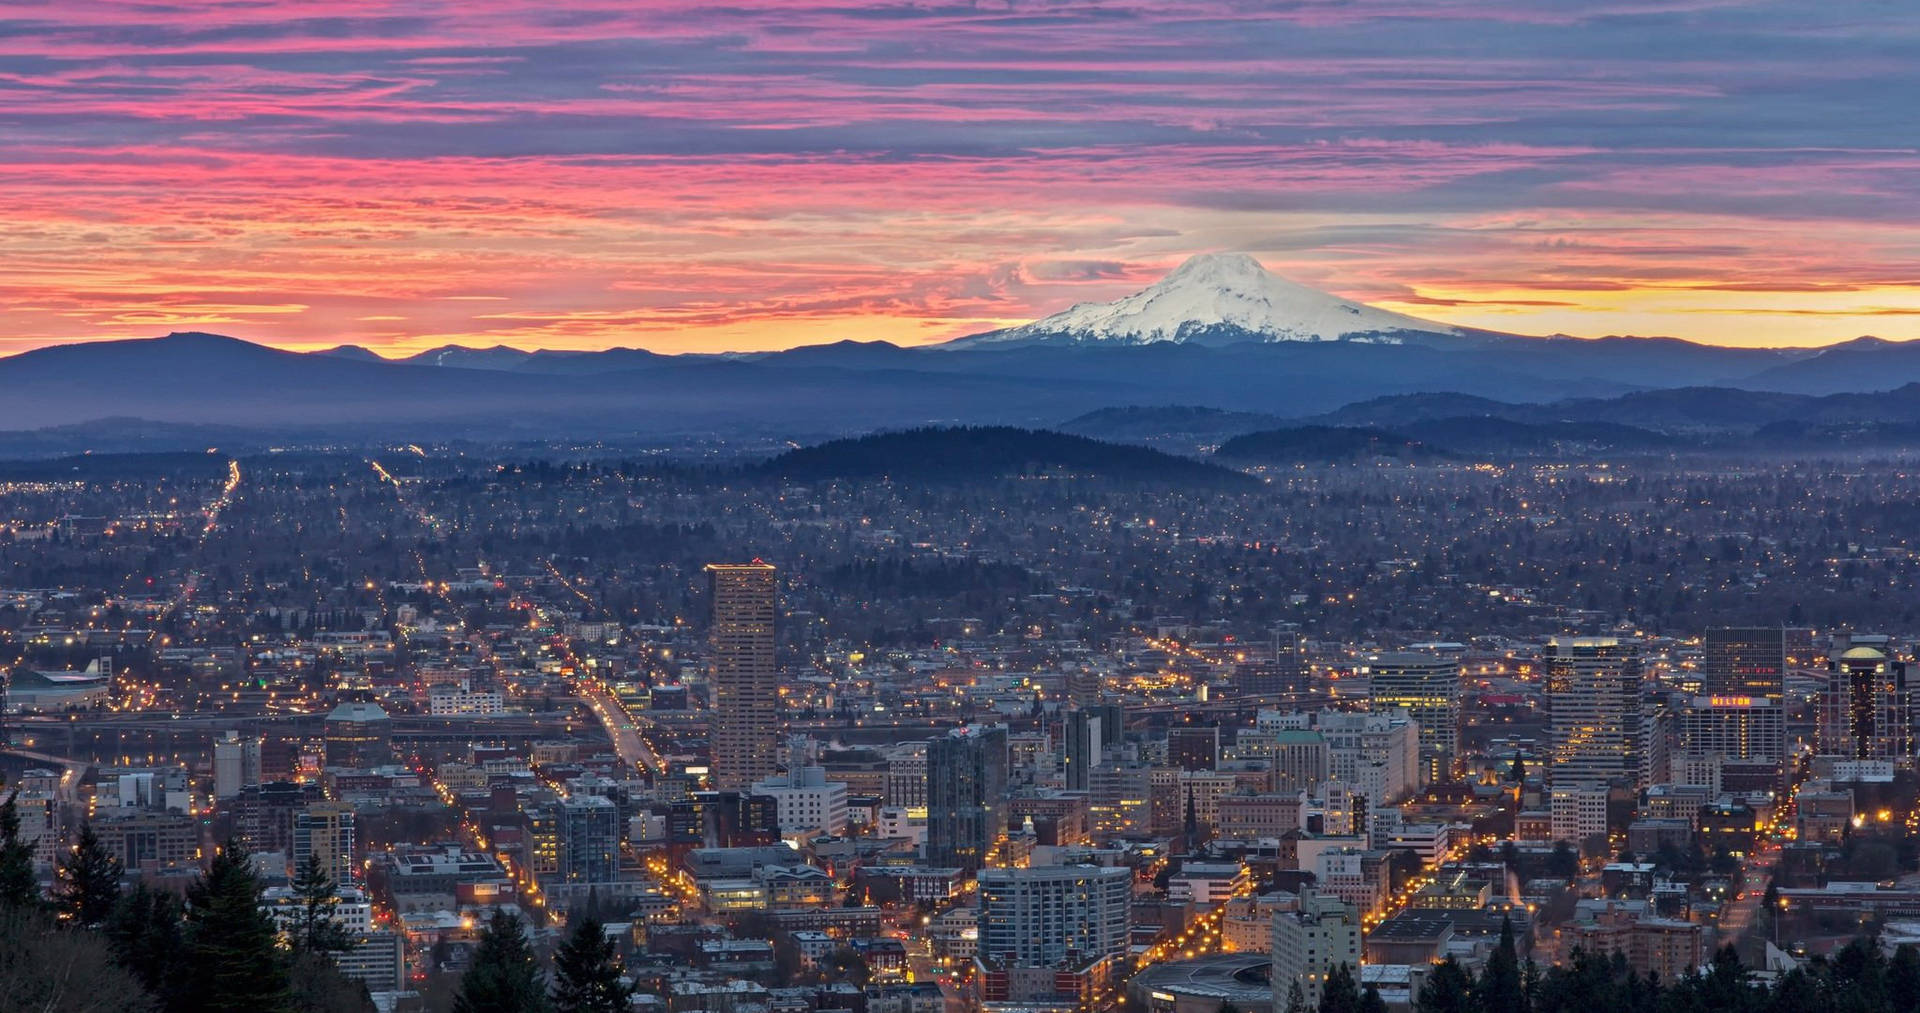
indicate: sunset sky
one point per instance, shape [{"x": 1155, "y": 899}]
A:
[{"x": 690, "y": 177}]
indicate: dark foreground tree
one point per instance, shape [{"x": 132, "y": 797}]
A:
[
  {"x": 46, "y": 970},
  {"x": 87, "y": 883},
  {"x": 504, "y": 977},
  {"x": 586, "y": 972},
  {"x": 1447, "y": 989},
  {"x": 317, "y": 927},
  {"x": 232, "y": 946},
  {"x": 1340, "y": 994},
  {"x": 148, "y": 938},
  {"x": 18, "y": 885}
]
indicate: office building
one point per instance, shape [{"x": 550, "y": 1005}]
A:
[
  {"x": 325, "y": 831},
  {"x": 358, "y": 735},
  {"x": 1427, "y": 687},
  {"x": 1193, "y": 747},
  {"x": 236, "y": 763},
  {"x": 1744, "y": 661},
  {"x": 1867, "y": 707},
  {"x": 1735, "y": 727},
  {"x": 1086, "y": 740},
  {"x": 1310, "y": 942},
  {"x": 806, "y": 804},
  {"x": 966, "y": 796},
  {"x": 589, "y": 830},
  {"x": 1054, "y": 916},
  {"x": 1593, "y": 690},
  {"x": 743, "y": 672}
]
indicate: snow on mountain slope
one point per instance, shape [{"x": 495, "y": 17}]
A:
[{"x": 1216, "y": 298}]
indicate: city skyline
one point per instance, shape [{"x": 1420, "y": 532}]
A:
[{"x": 707, "y": 180}]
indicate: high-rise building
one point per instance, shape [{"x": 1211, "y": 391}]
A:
[
  {"x": 1379, "y": 754},
  {"x": 236, "y": 763},
  {"x": 589, "y": 827},
  {"x": 1054, "y": 916},
  {"x": 1308, "y": 943},
  {"x": 1427, "y": 687},
  {"x": 1734, "y": 727},
  {"x": 1193, "y": 747},
  {"x": 806, "y": 803},
  {"x": 1744, "y": 661},
  {"x": 1867, "y": 707},
  {"x": 358, "y": 735},
  {"x": 324, "y": 831},
  {"x": 1593, "y": 689},
  {"x": 1283, "y": 676},
  {"x": 744, "y": 673},
  {"x": 966, "y": 795},
  {"x": 1086, "y": 740}
]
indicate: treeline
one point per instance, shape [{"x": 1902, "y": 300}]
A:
[{"x": 92, "y": 947}]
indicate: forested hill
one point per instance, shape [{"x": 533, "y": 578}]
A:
[{"x": 971, "y": 453}]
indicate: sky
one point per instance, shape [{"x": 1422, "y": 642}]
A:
[{"x": 697, "y": 177}]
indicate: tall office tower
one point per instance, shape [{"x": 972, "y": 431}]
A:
[
  {"x": 1739, "y": 728},
  {"x": 1427, "y": 687},
  {"x": 1593, "y": 688},
  {"x": 1193, "y": 747},
  {"x": 236, "y": 764},
  {"x": 966, "y": 795},
  {"x": 744, "y": 673},
  {"x": 324, "y": 830},
  {"x": 1284, "y": 676},
  {"x": 1085, "y": 740},
  {"x": 1867, "y": 707},
  {"x": 358, "y": 735},
  {"x": 1309, "y": 942},
  {"x": 1744, "y": 661},
  {"x": 589, "y": 828},
  {"x": 1050, "y": 915}
]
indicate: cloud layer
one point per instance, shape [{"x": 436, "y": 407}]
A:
[{"x": 686, "y": 176}]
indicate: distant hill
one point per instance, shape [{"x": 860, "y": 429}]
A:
[
  {"x": 1134, "y": 422},
  {"x": 1321, "y": 445},
  {"x": 972, "y": 453}
]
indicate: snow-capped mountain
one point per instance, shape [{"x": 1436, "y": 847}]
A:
[{"x": 1216, "y": 299}]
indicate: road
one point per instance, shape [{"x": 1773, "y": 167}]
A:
[{"x": 1741, "y": 913}]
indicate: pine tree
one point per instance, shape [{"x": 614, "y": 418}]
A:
[
  {"x": 88, "y": 881},
  {"x": 317, "y": 928},
  {"x": 586, "y": 972},
  {"x": 146, "y": 932},
  {"x": 1296, "y": 999},
  {"x": 1500, "y": 989},
  {"x": 1447, "y": 989},
  {"x": 1340, "y": 994},
  {"x": 232, "y": 946},
  {"x": 18, "y": 886},
  {"x": 1370, "y": 1000},
  {"x": 504, "y": 977}
]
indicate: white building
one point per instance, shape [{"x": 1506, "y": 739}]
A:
[
  {"x": 1037, "y": 917},
  {"x": 1309, "y": 942},
  {"x": 806, "y": 803}
]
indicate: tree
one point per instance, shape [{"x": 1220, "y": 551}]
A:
[
  {"x": 1296, "y": 999},
  {"x": 18, "y": 886},
  {"x": 586, "y": 972},
  {"x": 147, "y": 938},
  {"x": 88, "y": 881},
  {"x": 1446, "y": 990},
  {"x": 232, "y": 946},
  {"x": 1501, "y": 989},
  {"x": 317, "y": 927},
  {"x": 1340, "y": 994},
  {"x": 48, "y": 971},
  {"x": 1370, "y": 1000},
  {"x": 504, "y": 977}
]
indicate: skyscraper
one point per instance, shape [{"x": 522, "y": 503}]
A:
[
  {"x": 589, "y": 828},
  {"x": 324, "y": 830},
  {"x": 1427, "y": 687},
  {"x": 1747, "y": 666},
  {"x": 1085, "y": 736},
  {"x": 1054, "y": 915},
  {"x": 744, "y": 673},
  {"x": 1867, "y": 708},
  {"x": 1593, "y": 688},
  {"x": 966, "y": 795}
]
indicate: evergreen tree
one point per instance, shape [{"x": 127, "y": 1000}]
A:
[
  {"x": 504, "y": 977},
  {"x": 1903, "y": 980},
  {"x": 232, "y": 946},
  {"x": 1370, "y": 1000},
  {"x": 88, "y": 881},
  {"x": 1500, "y": 989},
  {"x": 586, "y": 972},
  {"x": 1296, "y": 999},
  {"x": 18, "y": 886},
  {"x": 1340, "y": 994},
  {"x": 317, "y": 927},
  {"x": 1446, "y": 990},
  {"x": 146, "y": 934}
]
